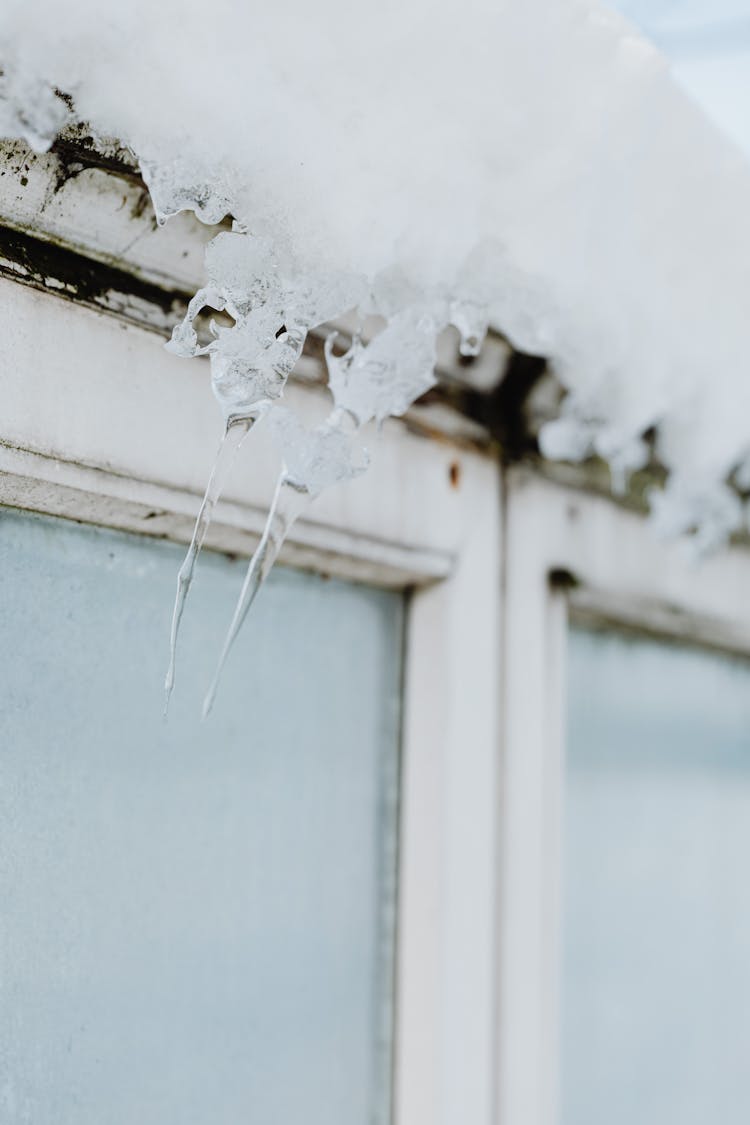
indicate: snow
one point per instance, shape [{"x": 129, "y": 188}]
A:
[{"x": 531, "y": 164}]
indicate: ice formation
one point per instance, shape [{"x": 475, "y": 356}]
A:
[
  {"x": 527, "y": 164},
  {"x": 312, "y": 460}
]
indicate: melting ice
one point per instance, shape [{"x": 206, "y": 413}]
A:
[
  {"x": 530, "y": 165},
  {"x": 272, "y": 304}
]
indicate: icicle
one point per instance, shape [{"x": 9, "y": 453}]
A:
[
  {"x": 368, "y": 382},
  {"x": 272, "y": 307},
  {"x": 178, "y": 184},
  {"x": 386, "y": 376},
  {"x": 312, "y": 461},
  {"x": 288, "y": 503},
  {"x": 234, "y": 435},
  {"x": 471, "y": 320}
]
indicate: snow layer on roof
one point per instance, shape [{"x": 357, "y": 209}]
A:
[{"x": 530, "y": 163}]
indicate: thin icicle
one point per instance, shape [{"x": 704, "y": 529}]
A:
[
  {"x": 312, "y": 460},
  {"x": 234, "y": 434},
  {"x": 289, "y": 501}
]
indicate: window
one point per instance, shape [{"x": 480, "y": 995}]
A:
[
  {"x": 198, "y": 919},
  {"x": 101, "y": 425},
  {"x": 656, "y": 976},
  {"x": 624, "y": 916}
]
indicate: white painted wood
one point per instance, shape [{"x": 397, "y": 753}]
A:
[
  {"x": 569, "y": 551},
  {"x": 99, "y": 422},
  {"x": 447, "y": 954},
  {"x": 105, "y": 214},
  {"x": 100, "y": 214},
  {"x": 534, "y": 618},
  {"x": 624, "y": 572},
  {"x": 74, "y": 491}
]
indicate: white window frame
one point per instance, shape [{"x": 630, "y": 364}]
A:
[
  {"x": 100, "y": 424},
  {"x": 572, "y": 555}
]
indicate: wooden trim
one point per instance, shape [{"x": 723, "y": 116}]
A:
[
  {"x": 78, "y": 222},
  {"x": 447, "y": 953},
  {"x": 100, "y": 423}
]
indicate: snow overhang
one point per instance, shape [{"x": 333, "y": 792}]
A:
[
  {"x": 78, "y": 222},
  {"x": 560, "y": 186}
]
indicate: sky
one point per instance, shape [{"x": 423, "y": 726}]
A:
[{"x": 708, "y": 44}]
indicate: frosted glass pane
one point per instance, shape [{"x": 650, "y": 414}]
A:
[
  {"x": 195, "y": 919},
  {"x": 656, "y": 996}
]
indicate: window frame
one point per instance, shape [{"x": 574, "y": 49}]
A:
[
  {"x": 572, "y": 555},
  {"x": 101, "y": 425}
]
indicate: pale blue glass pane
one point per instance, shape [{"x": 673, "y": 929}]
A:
[
  {"x": 656, "y": 977},
  {"x": 195, "y": 919}
]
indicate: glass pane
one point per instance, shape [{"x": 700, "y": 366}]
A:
[
  {"x": 656, "y": 982},
  {"x": 195, "y": 918}
]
